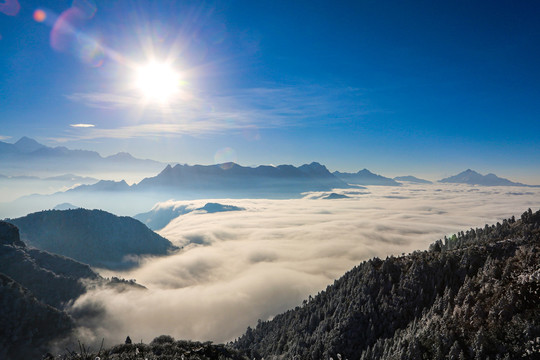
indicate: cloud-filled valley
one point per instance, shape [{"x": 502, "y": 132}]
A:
[{"x": 237, "y": 267}]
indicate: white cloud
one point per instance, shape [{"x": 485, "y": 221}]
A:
[
  {"x": 82, "y": 125},
  {"x": 2, "y": 137},
  {"x": 264, "y": 260}
]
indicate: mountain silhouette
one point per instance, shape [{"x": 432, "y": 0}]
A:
[
  {"x": 236, "y": 180},
  {"x": 27, "y": 145},
  {"x": 93, "y": 237},
  {"x": 365, "y": 177},
  {"x": 412, "y": 179},
  {"x": 471, "y": 177},
  {"x": 36, "y": 288},
  {"x": 28, "y": 155}
]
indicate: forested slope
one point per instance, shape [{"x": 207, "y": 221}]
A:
[
  {"x": 94, "y": 237},
  {"x": 469, "y": 297}
]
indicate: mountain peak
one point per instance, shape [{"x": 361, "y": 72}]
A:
[
  {"x": 28, "y": 145},
  {"x": 364, "y": 171},
  {"x": 471, "y": 177},
  {"x": 121, "y": 156},
  {"x": 9, "y": 235},
  {"x": 365, "y": 177}
]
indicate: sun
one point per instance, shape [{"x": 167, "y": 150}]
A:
[{"x": 157, "y": 81}]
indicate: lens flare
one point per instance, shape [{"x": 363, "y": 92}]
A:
[
  {"x": 87, "y": 7},
  {"x": 39, "y": 15},
  {"x": 225, "y": 157},
  {"x": 63, "y": 36},
  {"x": 92, "y": 53},
  {"x": 10, "y": 7}
]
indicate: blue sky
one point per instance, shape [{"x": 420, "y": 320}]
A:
[{"x": 428, "y": 88}]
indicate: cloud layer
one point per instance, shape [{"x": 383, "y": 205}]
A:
[{"x": 236, "y": 268}]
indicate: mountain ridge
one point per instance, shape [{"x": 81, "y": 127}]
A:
[
  {"x": 365, "y": 177},
  {"x": 92, "y": 237},
  {"x": 31, "y": 156},
  {"x": 412, "y": 179},
  {"x": 472, "y": 177}
]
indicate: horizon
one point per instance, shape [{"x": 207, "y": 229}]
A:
[
  {"x": 245, "y": 155},
  {"x": 131, "y": 180},
  {"x": 425, "y": 90}
]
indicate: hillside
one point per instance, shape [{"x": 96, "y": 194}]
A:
[
  {"x": 53, "y": 279},
  {"x": 36, "y": 289},
  {"x": 27, "y": 323},
  {"x": 93, "y": 237},
  {"x": 471, "y": 296}
]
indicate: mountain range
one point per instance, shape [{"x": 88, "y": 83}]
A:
[
  {"x": 471, "y": 177},
  {"x": 412, "y": 179},
  {"x": 27, "y": 156},
  {"x": 234, "y": 179},
  {"x": 93, "y": 237},
  {"x": 365, "y": 177}
]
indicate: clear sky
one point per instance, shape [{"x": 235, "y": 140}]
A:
[{"x": 427, "y": 88}]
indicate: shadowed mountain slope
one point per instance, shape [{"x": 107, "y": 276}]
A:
[
  {"x": 94, "y": 237},
  {"x": 53, "y": 279},
  {"x": 28, "y": 325},
  {"x": 472, "y": 296},
  {"x": 36, "y": 288}
]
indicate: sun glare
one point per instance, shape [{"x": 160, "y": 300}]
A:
[{"x": 157, "y": 81}]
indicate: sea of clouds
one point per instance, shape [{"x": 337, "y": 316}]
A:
[{"x": 240, "y": 266}]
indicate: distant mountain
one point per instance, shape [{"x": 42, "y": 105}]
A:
[
  {"x": 474, "y": 296},
  {"x": 72, "y": 179},
  {"x": 65, "y": 206},
  {"x": 30, "y": 157},
  {"x": 471, "y": 177},
  {"x": 93, "y": 237},
  {"x": 412, "y": 179},
  {"x": 188, "y": 182},
  {"x": 27, "y": 145},
  {"x": 365, "y": 177},
  {"x": 103, "y": 185},
  {"x": 233, "y": 179},
  {"x": 334, "y": 196},
  {"x": 161, "y": 214}
]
